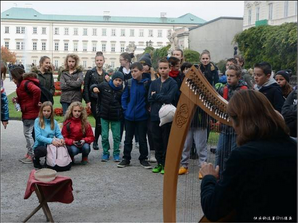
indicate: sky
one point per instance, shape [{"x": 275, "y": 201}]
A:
[{"x": 207, "y": 10}]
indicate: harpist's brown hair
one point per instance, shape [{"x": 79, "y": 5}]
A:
[{"x": 254, "y": 117}]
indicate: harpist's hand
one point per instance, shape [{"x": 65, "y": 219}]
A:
[{"x": 208, "y": 169}]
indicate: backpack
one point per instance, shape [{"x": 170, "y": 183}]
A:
[
  {"x": 45, "y": 93},
  {"x": 58, "y": 158}
]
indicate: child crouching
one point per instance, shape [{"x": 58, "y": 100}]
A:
[{"x": 77, "y": 131}]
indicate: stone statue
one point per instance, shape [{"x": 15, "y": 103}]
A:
[
  {"x": 131, "y": 48},
  {"x": 172, "y": 36}
]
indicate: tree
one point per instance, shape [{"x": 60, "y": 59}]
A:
[
  {"x": 191, "y": 56},
  {"x": 7, "y": 56},
  {"x": 276, "y": 45}
]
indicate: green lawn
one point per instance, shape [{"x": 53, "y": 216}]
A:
[{"x": 13, "y": 114}]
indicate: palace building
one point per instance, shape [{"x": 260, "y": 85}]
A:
[{"x": 31, "y": 35}]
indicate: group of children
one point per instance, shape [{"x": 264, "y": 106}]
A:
[{"x": 130, "y": 99}]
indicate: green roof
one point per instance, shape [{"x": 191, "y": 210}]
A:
[{"x": 16, "y": 13}]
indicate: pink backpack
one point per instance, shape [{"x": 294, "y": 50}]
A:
[{"x": 58, "y": 158}]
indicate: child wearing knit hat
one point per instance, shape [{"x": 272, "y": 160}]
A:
[
  {"x": 110, "y": 110},
  {"x": 282, "y": 77}
]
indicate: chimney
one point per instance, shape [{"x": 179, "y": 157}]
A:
[{"x": 163, "y": 15}]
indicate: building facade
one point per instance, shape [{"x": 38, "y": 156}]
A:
[
  {"x": 31, "y": 35},
  {"x": 216, "y": 36},
  {"x": 268, "y": 13}
]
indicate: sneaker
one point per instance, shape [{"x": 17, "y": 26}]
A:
[
  {"x": 116, "y": 158},
  {"x": 162, "y": 171},
  {"x": 183, "y": 170},
  {"x": 145, "y": 164},
  {"x": 105, "y": 158},
  {"x": 84, "y": 162},
  {"x": 95, "y": 146},
  {"x": 28, "y": 160},
  {"x": 123, "y": 163},
  {"x": 24, "y": 158},
  {"x": 157, "y": 169}
]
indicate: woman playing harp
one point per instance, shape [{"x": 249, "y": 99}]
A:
[{"x": 260, "y": 179}]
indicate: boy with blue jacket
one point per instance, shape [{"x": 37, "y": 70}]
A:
[
  {"x": 161, "y": 91},
  {"x": 134, "y": 104}
]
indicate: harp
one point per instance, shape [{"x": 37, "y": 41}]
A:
[{"x": 195, "y": 91}]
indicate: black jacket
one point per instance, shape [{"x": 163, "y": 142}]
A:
[
  {"x": 110, "y": 102},
  {"x": 289, "y": 112},
  {"x": 274, "y": 94},
  {"x": 165, "y": 94},
  {"x": 92, "y": 77},
  {"x": 210, "y": 72},
  {"x": 260, "y": 179}
]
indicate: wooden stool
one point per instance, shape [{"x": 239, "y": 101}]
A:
[{"x": 46, "y": 191}]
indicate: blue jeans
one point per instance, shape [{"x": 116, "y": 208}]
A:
[
  {"x": 85, "y": 150},
  {"x": 226, "y": 143},
  {"x": 64, "y": 106}
]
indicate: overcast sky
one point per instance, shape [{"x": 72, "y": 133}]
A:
[{"x": 206, "y": 10}]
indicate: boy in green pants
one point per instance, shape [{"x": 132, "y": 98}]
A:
[{"x": 110, "y": 112}]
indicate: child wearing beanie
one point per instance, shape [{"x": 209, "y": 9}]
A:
[
  {"x": 110, "y": 113},
  {"x": 282, "y": 77}
]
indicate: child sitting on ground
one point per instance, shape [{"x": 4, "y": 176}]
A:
[
  {"x": 77, "y": 131},
  {"x": 46, "y": 131}
]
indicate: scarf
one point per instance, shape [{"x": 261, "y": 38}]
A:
[
  {"x": 174, "y": 73},
  {"x": 114, "y": 87}
]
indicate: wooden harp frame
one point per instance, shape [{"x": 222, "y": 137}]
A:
[{"x": 195, "y": 91}]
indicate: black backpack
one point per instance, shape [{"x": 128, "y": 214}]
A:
[{"x": 45, "y": 93}]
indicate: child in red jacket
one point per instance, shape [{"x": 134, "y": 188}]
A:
[{"x": 77, "y": 131}]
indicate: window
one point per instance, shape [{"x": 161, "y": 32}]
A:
[
  {"x": 150, "y": 33},
  {"x": 85, "y": 46},
  {"x": 249, "y": 17},
  {"x": 132, "y": 32},
  {"x": 104, "y": 32},
  {"x": 56, "y": 63},
  {"x": 286, "y": 8},
  {"x": 94, "y": 32},
  {"x": 75, "y": 46},
  {"x": 20, "y": 45},
  {"x": 113, "y": 32},
  {"x": 66, "y": 31},
  {"x": 85, "y": 32},
  {"x": 6, "y": 29},
  {"x": 18, "y": 29},
  {"x": 270, "y": 11},
  {"x": 122, "y": 32},
  {"x": 34, "y": 61},
  {"x": 159, "y": 44},
  {"x": 122, "y": 47},
  {"x": 56, "y": 31},
  {"x": 103, "y": 47},
  {"x": 44, "y": 30},
  {"x": 56, "y": 46},
  {"x": 34, "y": 45},
  {"x": 65, "y": 46},
  {"x": 159, "y": 33},
  {"x": 43, "y": 46},
  {"x": 75, "y": 31},
  {"x": 94, "y": 47},
  {"x": 113, "y": 47},
  {"x": 141, "y": 33},
  {"x": 84, "y": 64},
  {"x": 257, "y": 13},
  {"x": 295, "y": 8},
  {"x": 34, "y": 30},
  {"x": 22, "y": 29},
  {"x": 6, "y": 44},
  {"x": 112, "y": 64}
]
